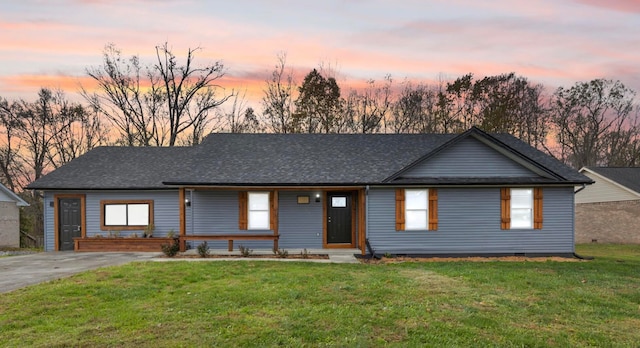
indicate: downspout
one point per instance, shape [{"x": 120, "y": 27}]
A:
[
  {"x": 584, "y": 186},
  {"x": 574, "y": 253},
  {"x": 366, "y": 213},
  {"x": 366, "y": 218}
]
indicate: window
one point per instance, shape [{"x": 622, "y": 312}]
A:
[
  {"x": 416, "y": 209},
  {"x": 521, "y": 208},
  {"x": 338, "y": 202},
  {"x": 126, "y": 215},
  {"x": 258, "y": 211}
]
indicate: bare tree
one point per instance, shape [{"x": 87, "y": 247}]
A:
[
  {"x": 190, "y": 91},
  {"x": 594, "y": 122},
  {"x": 10, "y": 143},
  {"x": 240, "y": 118},
  {"x": 367, "y": 111},
  {"x": 82, "y": 131},
  {"x": 277, "y": 101},
  {"x": 129, "y": 97},
  {"x": 418, "y": 110},
  {"x": 153, "y": 105},
  {"x": 510, "y": 104},
  {"x": 40, "y": 123},
  {"x": 462, "y": 102}
]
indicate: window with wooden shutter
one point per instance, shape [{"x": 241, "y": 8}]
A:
[
  {"x": 399, "y": 209},
  {"x": 505, "y": 208},
  {"x": 521, "y": 208},
  {"x": 537, "y": 208},
  {"x": 243, "y": 210},
  {"x": 416, "y": 209},
  {"x": 433, "y": 209}
]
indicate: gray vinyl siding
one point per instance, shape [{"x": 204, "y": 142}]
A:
[
  {"x": 217, "y": 212},
  {"x": 211, "y": 212},
  {"x": 468, "y": 158},
  {"x": 300, "y": 224},
  {"x": 165, "y": 209},
  {"x": 469, "y": 222}
]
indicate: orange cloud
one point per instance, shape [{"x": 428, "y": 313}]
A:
[{"x": 27, "y": 86}]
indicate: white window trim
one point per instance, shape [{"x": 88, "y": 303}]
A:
[
  {"x": 267, "y": 224},
  {"x": 530, "y": 208},
  {"x": 407, "y": 209}
]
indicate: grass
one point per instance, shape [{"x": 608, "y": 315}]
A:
[{"x": 268, "y": 304}]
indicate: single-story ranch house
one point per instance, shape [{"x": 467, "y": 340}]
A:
[
  {"x": 437, "y": 194},
  {"x": 10, "y": 204},
  {"x": 609, "y": 210}
]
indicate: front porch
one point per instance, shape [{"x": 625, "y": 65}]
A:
[{"x": 315, "y": 218}]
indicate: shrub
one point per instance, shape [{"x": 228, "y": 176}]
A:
[
  {"x": 203, "y": 249},
  {"x": 172, "y": 249},
  {"x": 281, "y": 253},
  {"x": 304, "y": 253},
  {"x": 148, "y": 231},
  {"x": 245, "y": 252}
]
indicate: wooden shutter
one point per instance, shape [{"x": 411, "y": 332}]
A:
[
  {"x": 433, "y": 209},
  {"x": 273, "y": 211},
  {"x": 243, "y": 210},
  {"x": 505, "y": 208},
  {"x": 537, "y": 208},
  {"x": 399, "y": 209}
]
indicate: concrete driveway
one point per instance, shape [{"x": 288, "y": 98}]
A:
[{"x": 20, "y": 271}]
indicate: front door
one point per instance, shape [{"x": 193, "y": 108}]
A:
[
  {"x": 339, "y": 222},
  {"x": 70, "y": 222}
]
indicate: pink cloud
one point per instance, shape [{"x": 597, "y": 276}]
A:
[{"x": 631, "y": 6}]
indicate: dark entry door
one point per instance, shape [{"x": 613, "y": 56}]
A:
[
  {"x": 70, "y": 222},
  {"x": 339, "y": 222}
]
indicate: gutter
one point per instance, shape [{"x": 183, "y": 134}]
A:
[{"x": 584, "y": 186}]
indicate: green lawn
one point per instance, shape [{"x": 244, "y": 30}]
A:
[{"x": 447, "y": 304}]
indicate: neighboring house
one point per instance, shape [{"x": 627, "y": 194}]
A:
[
  {"x": 454, "y": 194},
  {"x": 10, "y": 205},
  {"x": 609, "y": 210}
]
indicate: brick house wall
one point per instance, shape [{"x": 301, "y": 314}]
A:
[
  {"x": 9, "y": 224},
  {"x": 608, "y": 222}
]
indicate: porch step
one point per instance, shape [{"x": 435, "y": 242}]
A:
[{"x": 335, "y": 255}]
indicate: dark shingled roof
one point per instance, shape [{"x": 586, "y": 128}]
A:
[
  {"x": 282, "y": 159},
  {"x": 116, "y": 167},
  {"x": 304, "y": 159},
  {"x": 628, "y": 177}
]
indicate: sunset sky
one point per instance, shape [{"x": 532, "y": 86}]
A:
[{"x": 556, "y": 42}]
